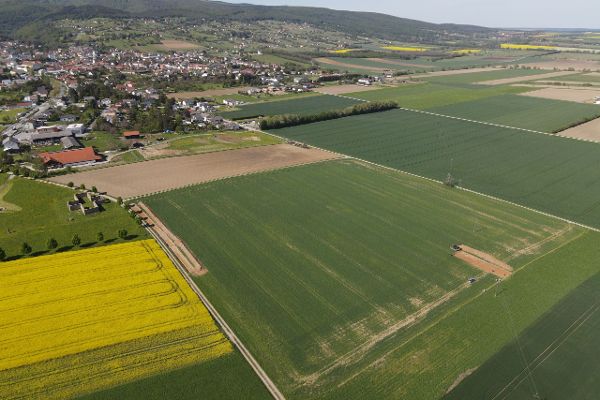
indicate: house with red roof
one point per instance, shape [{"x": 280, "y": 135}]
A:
[{"x": 70, "y": 158}]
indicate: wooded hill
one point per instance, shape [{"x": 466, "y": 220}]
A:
[{"x": 28, "y": 18}]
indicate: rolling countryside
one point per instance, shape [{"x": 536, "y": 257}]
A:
[{"x": 342, "y": 284}]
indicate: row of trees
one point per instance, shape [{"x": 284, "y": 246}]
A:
[
  {"x": 52, "y": 243},
  {"x": 282, "y": 121}
]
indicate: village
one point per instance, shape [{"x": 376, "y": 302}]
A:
[{"x": 52, "y": 100}]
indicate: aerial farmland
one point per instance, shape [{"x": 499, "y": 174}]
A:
[{"x": 205, "y": 200}]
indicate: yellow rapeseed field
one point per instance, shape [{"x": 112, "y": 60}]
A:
[
  {"x": 71, "y": 320},
  {"x": 342, "y": 51},
  {"x": 512, "y": 46},
  {"x": 407, "y": 49},
  {"x": 466, "y": 51}
]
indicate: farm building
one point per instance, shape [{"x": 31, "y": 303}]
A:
[
  {"x": 69, "y": 142},
  {"x": 67, "y": 158},
  {"x": 131, "y": 134}
]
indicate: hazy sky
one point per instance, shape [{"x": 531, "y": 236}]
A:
[{"x": 492, "y": 13}]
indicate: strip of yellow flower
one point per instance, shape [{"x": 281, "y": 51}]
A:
[
  {"x": 512, "y": 46},
  {"x": 71, "y": 320},
  {"x": 407, "y": 49},
  {"x": 342, "y": 51},
  {"x": 466, "y": 51}
]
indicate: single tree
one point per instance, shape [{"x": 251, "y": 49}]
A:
[
  {"x": 100, "y": 237},
  {"x": 82, "y": 186},
  {"x": 25, "y": 248},
  {"x": 76, "y": 240},
  {"x": 94, "y": 189},
  {"x": 70, "y": 184},
  {"x": 2, "y": 255},
  {"x": 52, "y": 244},
  {"x": 123, "y": 233}
]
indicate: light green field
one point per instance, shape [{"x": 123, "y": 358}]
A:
[
  {"x": 205, "y": 143},
  {"x": 338, "y": 276},
  {"x": 303, "y": 106},
  {"x": 430, "y": 95},
  {"x": 43, "y": 215}
]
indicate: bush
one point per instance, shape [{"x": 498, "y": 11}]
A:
[
  {"x": 100, "y": 237},
  {"x": 2, "y": 254},
  {"x": 122, "y": 234},
  {"x": 76, "y": 240},
  {"x": 70, "y": 184},
  {"x": 52, "y": 244},
  {"x": 26, "y": 248}
]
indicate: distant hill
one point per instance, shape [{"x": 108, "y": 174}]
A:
[{"x": 18, "y": 15}]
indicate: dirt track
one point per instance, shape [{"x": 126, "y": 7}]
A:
[
  {"x": 579, "y": 95},
  {"x": 526, "y": 78},
  {"x": 153, "y": 176},
  {"x": 578, "y": 65},
  {"x": 206, "y": 93},
  {"x": 344, "y": 89},
  {"x": 588, "y": 131}
]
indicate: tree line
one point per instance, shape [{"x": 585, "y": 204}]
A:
[{"x": 283, "y": 121}]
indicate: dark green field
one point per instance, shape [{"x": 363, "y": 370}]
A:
[
  {"x": 339, "y": 279},
  {"x": 523, "y": 112},
  {"x": 554, "y": 359},
  {"x": 302, "y": 106},
  {"x": 41, "y": 213},
  {"x": 548, "y": 173},
  {"x": 459, "y": 96},
  {"x": 228, "y": 377}
]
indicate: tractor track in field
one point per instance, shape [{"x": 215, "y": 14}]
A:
[{"x": 260, "y": 372}]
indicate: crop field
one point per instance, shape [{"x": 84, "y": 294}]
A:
[
  {"x": 338, "y": 276},
  {"x": 523, "y": 112},
  {"x": 38, "y": 211},
  {"x": 303, "y": 106},
  {"x": 548, "y": 173},
  {"x": 228, "y": 377},
  {"x": 76, "y": 322},
  {"x": 162, "y": 174},
  {"x": 554, "y": 358},
  {"x": 430, "y": 95},
  {"x": 492, "y": 75}
]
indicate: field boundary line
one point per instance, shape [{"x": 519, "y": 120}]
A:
[
  {"x": 489, "y": 196},
  {"x": 262, "y": 375},
  {"x": 516, "y": 128},
  {"x": 337, "y": 156}
]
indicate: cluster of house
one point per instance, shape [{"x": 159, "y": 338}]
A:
[{"x": 80, "y": 200}]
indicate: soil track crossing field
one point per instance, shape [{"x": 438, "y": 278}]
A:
[{"x": 143, "y": 178}]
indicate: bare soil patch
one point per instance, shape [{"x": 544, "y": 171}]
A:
[
  {"x": 153, "y": 176},
  {"x": 579, "y": 95},
  {"x": 176, "y": 245},
  {"x": 483, "y": 261},
  {"x": 206, "y": 93},
  {"x": 453, "y": 72},
  {"x": 178, "y": 45},
  {"x": 588, "y": 131},
  {"x": 578, "y": 65},
  {"x": 344, "y": 89},
  {"x": 526, "y": 78}
]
